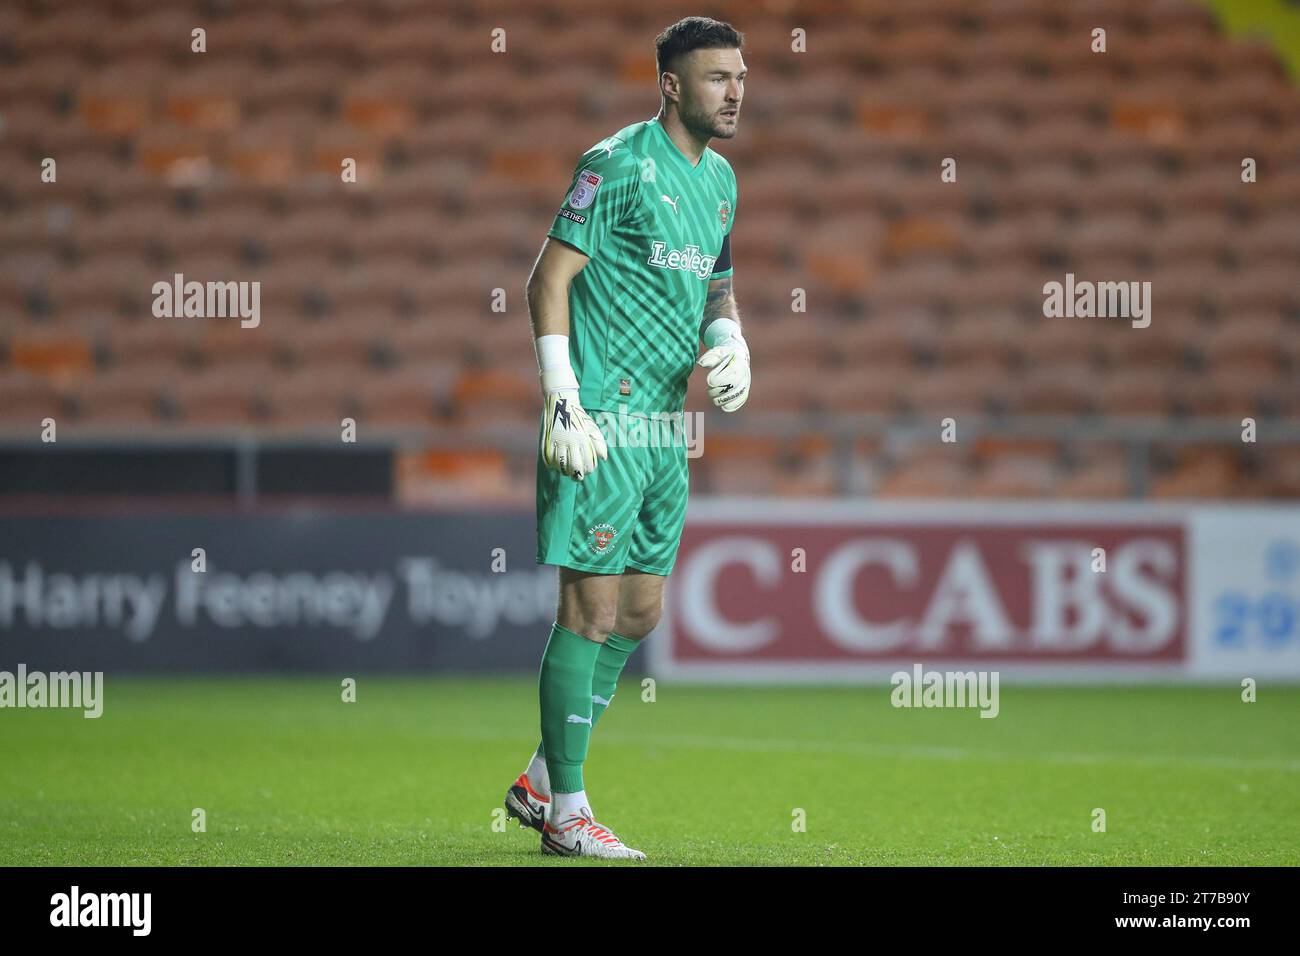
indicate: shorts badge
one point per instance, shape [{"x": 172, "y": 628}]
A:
[{"x": 600, "y": 537}]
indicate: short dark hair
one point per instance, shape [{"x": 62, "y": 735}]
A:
[{"x": 694, "y": 33}]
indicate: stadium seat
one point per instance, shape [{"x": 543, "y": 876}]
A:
[
  {"x": 1198, "y": 473},
  {"x": 926, "y": 477},
  {"x": 1014, "y": 477}
]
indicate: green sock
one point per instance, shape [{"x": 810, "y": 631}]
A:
[
  {"x": 609, "y": 665},
  {"x": 564, "y": 689},
  {"x": 610, "y": 660}
]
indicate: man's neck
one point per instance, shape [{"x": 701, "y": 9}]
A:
[{"x": 687, "y": 144}]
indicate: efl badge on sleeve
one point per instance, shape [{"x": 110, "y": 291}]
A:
[
  {"x": 724, "y": 212},
  {"x": 584, "y": 190}
]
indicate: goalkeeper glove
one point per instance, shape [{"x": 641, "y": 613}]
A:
[
  {"x": 728, "y": 359},
  {"x": 571, "y": 442}
]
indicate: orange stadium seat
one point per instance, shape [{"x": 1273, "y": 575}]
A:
[
  {"x": 1245, "y": 340},
  {"x": 788, "y": 392},
  {"x": 437, "y": 335},
  {"x": 450, "y": 475},
  {"x": 152, "y": 32},
  {"x": 1133, "y": 391},
  {"x": 28, "y": 399},
  {"x": 1196, "y": 395},
  {"x": 987, "y": 338},
  {"x": 399, "y": 40},
  {"x": 1198, "y": 473},
  {"x": 1280, "y": 476},
  {"x": 1274, "y": 238},
  {"x": 306, "y": 398},
  {"x": 956, "y": 392},
  {"x": 794, "y": 338},
  {"x": 387, "y": 101},
  {"x": 151, "y": 343},
  {"x": 1014, "y": 477},
  {"x": 758, "y": 477},
  {"x": 341, "y": 343},
  {"x": 811, "y": 477},
  {"x": 1101, "y": 476},
  {"x": 116, "y": 398},
  {"x": 119, "y": 100},
  {"x": 335, "y": 33},
  {"x": 291, "y": 85},
  {"x": 208, "y": 97},
  {"x": 214, "y": 397},
  {"x": 411, "y": 396},
  {"x": 926, "y": 476},
  {"x": 44, "y": 75},
  {"x": 851, "y": 391},
  {"x": 886, "y": 340},
  {"x": 57, "y": 355}
]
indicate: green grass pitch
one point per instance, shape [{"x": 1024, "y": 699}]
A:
[{"x": 413, "y": 771}]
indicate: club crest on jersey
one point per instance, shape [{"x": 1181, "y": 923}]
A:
[
  {"x": 687, "y": 259},
  {"x": 584, "y": 190},
  {"x": 600, "y": 537},
  {"x": 724, "y": 212}
]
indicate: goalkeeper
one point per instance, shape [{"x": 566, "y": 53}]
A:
[{"x": 635, "y": 271}]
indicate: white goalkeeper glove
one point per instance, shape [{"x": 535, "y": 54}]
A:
[
  {"x": 728, "y": 360},
  {"x": 571, "y": 442}
]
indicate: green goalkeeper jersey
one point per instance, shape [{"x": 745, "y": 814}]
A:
[{"x": 656, "y": 230}]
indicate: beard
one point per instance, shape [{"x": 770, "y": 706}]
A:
[{"x": 709, "y": 124}]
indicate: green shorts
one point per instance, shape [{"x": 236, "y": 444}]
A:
[{"x": 628, "y": 513}]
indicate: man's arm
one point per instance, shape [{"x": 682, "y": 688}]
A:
[
  {"x": 548, "y": 287},
  {"x": 728, "y": 355},
  {"x": 571, "y": 442},
  {"x": 720, "y": 303}
]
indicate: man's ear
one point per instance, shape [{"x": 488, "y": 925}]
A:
[{"x": 669, "y": 87}]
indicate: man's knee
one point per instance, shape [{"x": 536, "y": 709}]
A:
[
  {"x": 591, "y": 619},
  {"x": 638, "y": 618},
  {"x": 588, "y": 603}
]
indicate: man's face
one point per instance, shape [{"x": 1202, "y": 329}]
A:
[{"x": 712, "y": 84}]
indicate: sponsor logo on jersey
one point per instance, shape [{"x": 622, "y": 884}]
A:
[
  {"x": 724, "y": 212},
  {"x": 601, "y": 535},
  {"x": 584, "y": 190},
  {"x": 687, "y": 260}
]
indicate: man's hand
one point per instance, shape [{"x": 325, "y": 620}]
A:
[
  {"x": 726, "y": 355},
  {"x": 728, "y": 381},
  {"x": 571, "y": 442}
]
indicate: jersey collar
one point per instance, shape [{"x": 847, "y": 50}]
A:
[{"x": 672, "y": 147}]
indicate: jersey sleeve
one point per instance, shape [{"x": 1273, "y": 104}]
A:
[
  {"x": 722, "y": 265},
  {"x": 601, "y": 194}
]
